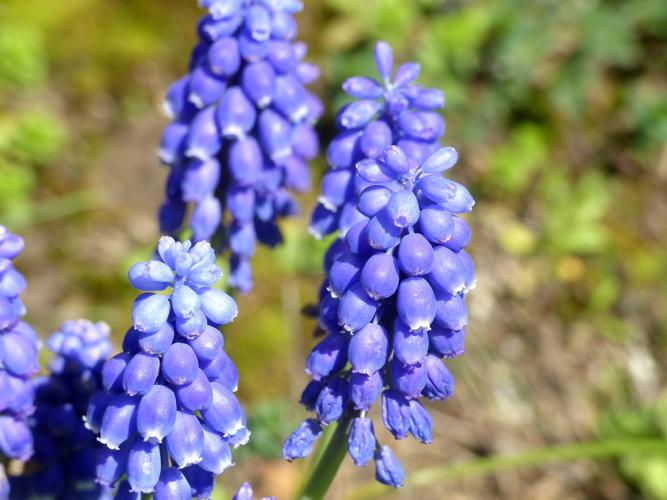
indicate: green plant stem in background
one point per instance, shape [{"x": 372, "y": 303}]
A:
[
  {"x": 530, "y": 458},
  {"x": 326, "y": 462},
  {"x": 58, "y": 207}
]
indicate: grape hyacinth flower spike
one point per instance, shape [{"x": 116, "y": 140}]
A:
[
  {"x": 168, "y": 416},
  {"x": 393, "y": 110},
  {"x": 242, "y": 131},
  {"x": 392, "y": 304},
  {"x": 63, "y": 465},
  {"x": 19, "y": 348}
]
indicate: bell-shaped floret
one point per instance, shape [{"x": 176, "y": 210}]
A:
[
  {"x": 216, "y": 455},
  {"x": 416, "y": 303},
  {"x": 119, "y": 422},
  {"x": 185, "y": 442},
  {"x": 368, "y": 349},
  {"x": 409, "y": 346},
  {"x": 156, "y": 413},
  {"x": 143, "y": 466},
  {"x": 224, "y": 414}
]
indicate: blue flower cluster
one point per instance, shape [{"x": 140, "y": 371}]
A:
[
  {"x": 168, "y": 414},
  {"x": 19, "y": 348},
  {"x": 392, "y": 304},
  {"x": 392, "y": 111},
  {"x": 63, "y": 465},
  {"x": 242, "y": 130}
]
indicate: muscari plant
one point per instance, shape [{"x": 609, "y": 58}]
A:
[
  {"x": 19, "y": 346},
  {"x": 242, "y": 130},
  {"x": 168, "y": 415},
  {"x": 63, "y": 465},
  {"x": 391, "y": 304},
  {"x": 392, "y": 301}
]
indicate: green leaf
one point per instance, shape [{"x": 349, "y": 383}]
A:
[
  {"x": 22, "y": 56},
  {"x": 38, "y": 136}
]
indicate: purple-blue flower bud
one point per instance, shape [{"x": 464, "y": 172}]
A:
[
  {"x": 195, "y": 396},
  {"x": 300, "y": 443},
  {"x": 119, "y": 422},
  {"x": 179, "y": 364},
  {"x": 185, "y": 442},
  {"x": 140, "y": 373},
  {"x": 368, "y": 349},
  {"x": 380, "y": 276},
  {"x": 408, "y": 379},
  {"x": 224, "y": 414},
  {"x": 439, "y": 380},
  {"x": 365, "y": 389},
  {"x": 415, "y": 255},
  {"x": 421, "y": 423},
  {"x": 387, "y": 468},
  {"x": 409, "y": 346},
  {"x": 396, "y": 413},
  {"x": 356, "y": 309},
  {"x": 332, "y": 400},
  {"x": 216, "y": 455},
  {"x": 328, "y": 356},
  {"x": 156, "y": 413},
  {"x": 150, "y": 312},
  {"x": 361, "y": 443},
  {"x": 416, "y": 303},
  {"x": 143, "y": 466},
  {"x": 446, "y": 343},
  {"x": 172, "y": 485}
]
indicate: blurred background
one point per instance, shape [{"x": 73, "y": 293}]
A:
[{"x": 559, "y": 111}]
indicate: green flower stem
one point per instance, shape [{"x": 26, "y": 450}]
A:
[
  {"x": 530, "y": 458},
  {"x": 326, "y": 461}
]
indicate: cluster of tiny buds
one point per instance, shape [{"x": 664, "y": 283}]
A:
[{"x": 394, "y": 110}]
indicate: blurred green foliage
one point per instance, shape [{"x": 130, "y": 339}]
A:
[
  {"x": 647, "y": 470},
  {"x": 31, "y": 135}
]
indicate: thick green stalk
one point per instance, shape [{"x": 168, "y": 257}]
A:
[
  {"x": 530, "y": 458},
  {"x": 326, "y": 462}
]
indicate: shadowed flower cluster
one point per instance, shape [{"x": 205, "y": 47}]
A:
[
  {"x": 19, "y": 348},
  {"x": 63, "y": 465},
  {"x": 392, "y": 304},
  {"x": 394, "y": 110},
  {"x": 168, "y": 414},
  {"x": 242, "y": 130}
]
